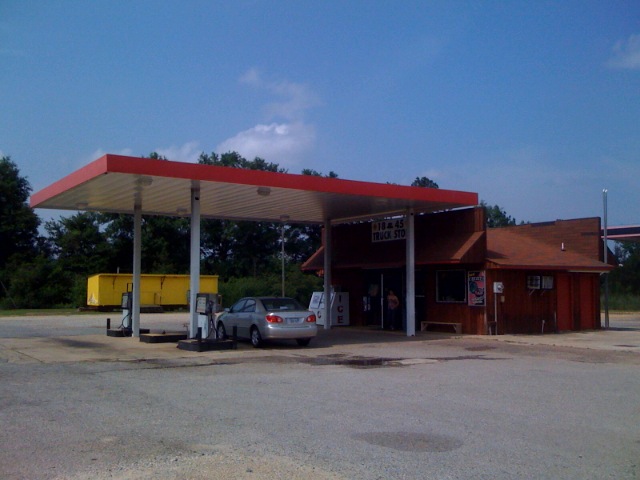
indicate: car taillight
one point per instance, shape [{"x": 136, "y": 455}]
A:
[
  {"x": 311, "y": 318},
  {"x": 271, "y": 318}
]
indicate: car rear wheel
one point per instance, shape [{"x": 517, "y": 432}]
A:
[
  {"x": 221, "y": 332},
  {"x": 303, "y": 342},
  {"x": 256, "y": 338}
]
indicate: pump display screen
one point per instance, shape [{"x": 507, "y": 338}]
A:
[
  {"x": 125, "y": 300},
  {"x": 201, "y": 304}
]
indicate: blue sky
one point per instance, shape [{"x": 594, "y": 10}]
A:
[{"x": 534, "y": 105}]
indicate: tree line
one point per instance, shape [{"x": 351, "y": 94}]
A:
[{"x": 47, "y": 265}]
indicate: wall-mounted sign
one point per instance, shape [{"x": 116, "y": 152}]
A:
[
  {"x": 476, "y": 284},
  {"x": 388, "y": 230}
]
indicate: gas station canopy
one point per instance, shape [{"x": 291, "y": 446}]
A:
[
  {"x": 623, "y": 233},
  {"x": 138, "y": 186},
  {"x": 115, "y": 183}
]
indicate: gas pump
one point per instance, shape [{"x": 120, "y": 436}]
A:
[
  {"x": 207, "y": 305},
  {"x": 127, "y": 310}
]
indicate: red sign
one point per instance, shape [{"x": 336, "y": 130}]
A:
[{"x": 476, "y": 288}]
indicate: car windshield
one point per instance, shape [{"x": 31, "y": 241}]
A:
[{"x": 279, "y": 304}]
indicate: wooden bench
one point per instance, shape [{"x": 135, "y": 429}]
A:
[{"x": 457, "y": 327}]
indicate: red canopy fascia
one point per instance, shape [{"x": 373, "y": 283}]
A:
[{"x": 115, "y": 183}]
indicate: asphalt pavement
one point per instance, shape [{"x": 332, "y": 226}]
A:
[{"x": 356, "y": 404}]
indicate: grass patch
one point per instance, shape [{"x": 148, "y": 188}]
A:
[{"x": 622, "y": 302}]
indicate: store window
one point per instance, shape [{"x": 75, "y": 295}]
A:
[{"x": 451, "y": 286}]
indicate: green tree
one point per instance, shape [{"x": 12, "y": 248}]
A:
[
  {"x": 496, "y": 216},
  {"x": 239, "y": 249},
  {"x": 315, "y": 173},
  {"x": 19, "y": 239},
  {"x": 79, "y": 249},
  {"x": 78, "y": 243},
  {"x": 118, "y": 231},
  {"x": 626, "y": 278},
  {"x": 424, "y": 182},
  {"x": 165, "y": 244},
  {"x": 235, "y": 160},
  {"x": 36, "y": 284},
  {"x": 18, "y": 223}
]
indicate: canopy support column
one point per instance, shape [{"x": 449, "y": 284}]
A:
[
  {"x": 410, "y": 300},
  {"x": 137, "y": 267},
  {"x": 327, "y": 274},
  {"x": 194, "y": 269}
]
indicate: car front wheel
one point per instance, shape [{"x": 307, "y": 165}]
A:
[{"x": 256, "y": 338}]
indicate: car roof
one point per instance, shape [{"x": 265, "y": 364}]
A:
[{"x": 273, "y": 298}]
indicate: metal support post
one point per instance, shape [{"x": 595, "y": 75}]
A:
[
  {"x": 411, "y": 274},
  {"x": 327, "y": 274},
  {"x": 606, "y": 275},
  {"x": 137, "y": 267},
  {"x": 194, "y": 269}
]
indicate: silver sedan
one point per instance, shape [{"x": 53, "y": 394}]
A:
[{"x": 268, "y": 318}]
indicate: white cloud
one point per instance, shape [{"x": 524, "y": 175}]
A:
[
  {"x": 189, "y": 152},
  {"x": 626, "y": 54},
  {"x": 288, "y": 136},
  {"x": 252, "y": 77},
  {"x": 297, "y": 98},
  {"x": 282, "y": 143}
]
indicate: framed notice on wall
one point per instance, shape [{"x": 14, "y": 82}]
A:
[
  {"x": 476, "y": 286},
  {"x": 388, "y": 230}
]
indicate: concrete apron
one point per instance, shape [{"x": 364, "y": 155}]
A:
[{"x": 623, "y": 336}]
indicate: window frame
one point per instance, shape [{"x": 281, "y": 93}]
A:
[{"x": 462, "y": 288}]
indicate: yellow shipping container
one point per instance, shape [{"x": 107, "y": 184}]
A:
[{"x": 106, "y": 289}]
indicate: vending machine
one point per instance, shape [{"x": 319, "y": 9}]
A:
[{"x": 339, "y": 308}]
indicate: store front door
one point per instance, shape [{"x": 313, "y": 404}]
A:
[{"x": 379, "y": 284}]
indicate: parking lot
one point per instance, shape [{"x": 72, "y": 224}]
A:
[{"x": 355, "y": 404}]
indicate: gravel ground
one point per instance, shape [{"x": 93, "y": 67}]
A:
[{"x": 352, "y": 406}]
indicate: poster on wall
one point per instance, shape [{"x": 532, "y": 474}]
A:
[{"x": 476, "y": 288}]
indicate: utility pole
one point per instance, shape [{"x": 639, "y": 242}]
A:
[
  {"x": 606, "y": 275},
  {"x": 283, "y": 219}
]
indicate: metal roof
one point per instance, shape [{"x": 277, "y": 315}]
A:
[
  {"x": 114, "y": 183},
  {"x": 509, "y": 248}
]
